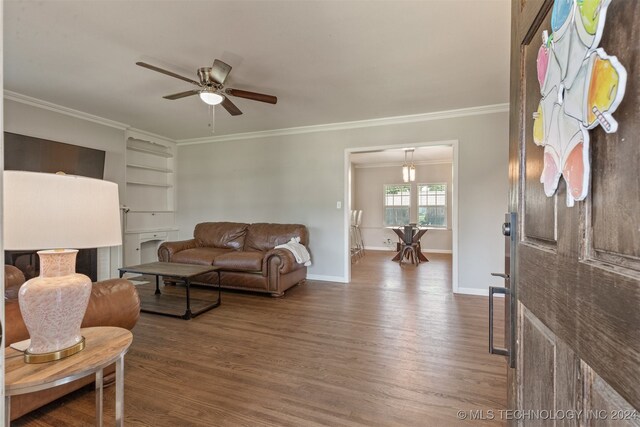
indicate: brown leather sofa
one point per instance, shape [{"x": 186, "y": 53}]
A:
[
  {"x": 245, "y": 254},
  {"x": 112, "y": 303}
]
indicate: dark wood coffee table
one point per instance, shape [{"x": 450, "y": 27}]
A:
[{"x": 182, "y": 272}]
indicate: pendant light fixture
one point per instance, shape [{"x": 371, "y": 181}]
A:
[{"x": 408, "y": 169}]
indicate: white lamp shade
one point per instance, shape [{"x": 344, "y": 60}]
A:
[
  {"x": 50, "y": 211},
  {"x": 412, "y": 173},
  {"x": 211, "y": 98}
]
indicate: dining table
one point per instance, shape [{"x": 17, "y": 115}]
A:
[{"x": 416, "y": 234}]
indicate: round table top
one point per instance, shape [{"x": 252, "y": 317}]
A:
[{"x": 103, "y": 346}]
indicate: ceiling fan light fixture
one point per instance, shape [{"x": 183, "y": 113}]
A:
[{"x": 211, "y": 98}]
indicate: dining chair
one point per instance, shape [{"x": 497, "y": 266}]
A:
[{"x": 359, "y": 231}]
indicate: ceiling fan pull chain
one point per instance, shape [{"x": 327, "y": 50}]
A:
[{"x": 212, "y": 109}]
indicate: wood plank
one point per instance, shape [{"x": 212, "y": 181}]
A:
[{"x": 395, "y": 347}]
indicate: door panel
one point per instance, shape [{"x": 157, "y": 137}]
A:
[
  {"x": 605, "y": 407},
  {"x": 537, "y": 373},
  {"x": 540, "y": 210},
  {"x": 568, "y": 382},
  {"x": 614, "y": 209},
  {"x": 549, "y": 371},
  {"x": 577, "y": 274}
]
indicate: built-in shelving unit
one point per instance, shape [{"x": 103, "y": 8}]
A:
[{"x": 150, "y": 197}]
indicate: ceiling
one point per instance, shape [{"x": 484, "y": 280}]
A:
[
  {"x": 430, "y": 154},
  {"x": 326, "y": 61}
]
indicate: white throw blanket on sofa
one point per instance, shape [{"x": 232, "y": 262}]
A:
[{"x": 298, "y": 250}]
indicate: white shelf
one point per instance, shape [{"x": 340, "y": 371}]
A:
[
  {"x": 149, "y": 184},
  {"x": 149, "y": 151},
  {"x": 154, "y": 211},
  {"x": 150, "y": 230},
  {"x": 150, "y": 168}
]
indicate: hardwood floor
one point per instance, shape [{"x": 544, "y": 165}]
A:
[{"x": 393, "y": 348}]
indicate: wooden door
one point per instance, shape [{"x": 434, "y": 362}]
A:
[{"x": 577, "y": 270}]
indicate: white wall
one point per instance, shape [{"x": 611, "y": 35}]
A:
[
  {"x": 2, "y": 322},
  {"x": 368, "y": 196},
  {"x": 25, "y": 119},
  {"x": 300, "y": 177}
]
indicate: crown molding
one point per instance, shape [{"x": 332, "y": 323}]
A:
[
  {"x": 399, "y": 164},
  {"x": 35, "y": 102},
  {"x": 39, "y": 103},
  {"x": 386, "y": 121}
]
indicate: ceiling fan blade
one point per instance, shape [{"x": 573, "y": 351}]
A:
[
  {"x": 182, "y": 94},
  {"x": 220, "y": 71},
  {"x": 269, "y": 99},
  {"x": 168, "y": 73},
  {"x": 231, "y": 107}
]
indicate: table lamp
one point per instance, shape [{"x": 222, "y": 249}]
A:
[{"x": 56, "y": 212}]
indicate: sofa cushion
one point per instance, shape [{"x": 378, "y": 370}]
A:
[
  {"x": 228, "y": 235},
  {"x": 243, "y": 261},
  {"x": 263, "y": 237},
  {"x": 199, "y": 256}
]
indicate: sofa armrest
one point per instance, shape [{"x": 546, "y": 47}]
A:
[
  {"x": 168, "y": 249},
  {"x": 13, "y": 279},
  {"x": 280, "y": 259},
  {"x": 113, "y": 302}
]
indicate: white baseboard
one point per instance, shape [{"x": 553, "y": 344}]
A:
[
  {"x": 379, "y": 248},
  {"x": 476, "y": 291},
  {"x": 324, "y": 278},
  {"x": 437, "y": 251}
]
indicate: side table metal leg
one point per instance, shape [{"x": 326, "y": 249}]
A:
[
  {"x": 120, "y": 391},
  {"x": 7, "y": 410},
  {"x": 99, "y": 399}
]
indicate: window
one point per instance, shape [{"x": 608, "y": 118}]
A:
[
  {"x": 397, "y": 202},
  {"x": 432, "y": 205}
]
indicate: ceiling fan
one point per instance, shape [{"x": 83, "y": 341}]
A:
[{"x": 211, "y": 87}]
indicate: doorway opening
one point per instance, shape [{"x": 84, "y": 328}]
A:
[{"x": 378, "y": 199}]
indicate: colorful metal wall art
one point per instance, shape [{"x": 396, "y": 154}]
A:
[{"x": 581, "y": 87}]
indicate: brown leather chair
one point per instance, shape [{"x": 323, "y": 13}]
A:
[{"x": 113, "y": 302}]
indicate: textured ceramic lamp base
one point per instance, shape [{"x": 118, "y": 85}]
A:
[{"x": 53, "y": 306}]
